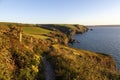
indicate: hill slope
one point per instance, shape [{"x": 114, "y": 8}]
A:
[{"x": 23, "y": 45}]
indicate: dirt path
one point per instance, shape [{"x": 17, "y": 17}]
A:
[{"x": 49, "y": 73}]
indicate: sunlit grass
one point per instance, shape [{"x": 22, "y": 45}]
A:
[
  {"x": 73, "y": 64},
  {"x": 67, "y": 25},
  {"x": 40, "y": 36},
  {"x": 36, "y": 32}
]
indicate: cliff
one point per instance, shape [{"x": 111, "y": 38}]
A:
[
  {"x": 64, "y": 31},
  {"x": 79, "y": 64},
  {"x": 23, "y": 56}
]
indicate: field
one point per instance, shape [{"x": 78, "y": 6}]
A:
[{"x": 36, "y": 32}]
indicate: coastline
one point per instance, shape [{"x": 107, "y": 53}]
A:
[{"x": 52, "y": 41}]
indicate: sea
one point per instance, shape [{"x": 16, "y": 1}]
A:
[{"x": 100, "y": 39}]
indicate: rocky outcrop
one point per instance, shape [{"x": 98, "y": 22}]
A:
[
  {"x": 62, "y": 33},
  {"x": 81, "y": 29}
]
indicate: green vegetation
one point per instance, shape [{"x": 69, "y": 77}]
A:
[
  {"x": 19, "y": 61},
  {"x": 28, "y": 29},
  {"x": 73, "y": 64},
  {"x": 22, "y": 47},
  {"x": 36, "y": 32},
  {"x": 67, "y": 25}
]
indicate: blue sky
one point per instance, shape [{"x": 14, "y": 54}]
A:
[{"x": 87, "y": 12}]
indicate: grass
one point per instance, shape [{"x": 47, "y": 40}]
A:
[
  {"x": 36, "y": 32},
  {"x": 73, "y": 64},
  {"x": 24, "y": 60},
  {"x": 41, "y": 37},
  {"x": 19, "y": 61},
  {"x": 28, "y": 29},
  {"x": 67, "y": 25}
]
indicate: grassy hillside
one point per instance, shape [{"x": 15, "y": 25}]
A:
[
  {"x": 74, "y": 64},
  {"x": 19, "y": 61},
  {"x": 22, "y": 47}
]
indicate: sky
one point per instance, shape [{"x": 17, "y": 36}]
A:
[{"x": 86, "y": 12}]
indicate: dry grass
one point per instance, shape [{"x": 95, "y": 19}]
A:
[{"x": 73, "y": 64}]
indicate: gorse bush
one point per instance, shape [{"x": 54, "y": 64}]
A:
[
  {"x": 19, "y": 61},
  {"x": 6, "y": 65}
]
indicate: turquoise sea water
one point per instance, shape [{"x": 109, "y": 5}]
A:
[{"x": 101, "y": 39}]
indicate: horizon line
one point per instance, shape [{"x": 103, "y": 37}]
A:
[{"x": 57, "y": 23}]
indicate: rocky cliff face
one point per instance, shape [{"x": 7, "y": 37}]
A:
[
  {"x": 80, "y": 29},
  {"x": 63, "y": 33}
]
